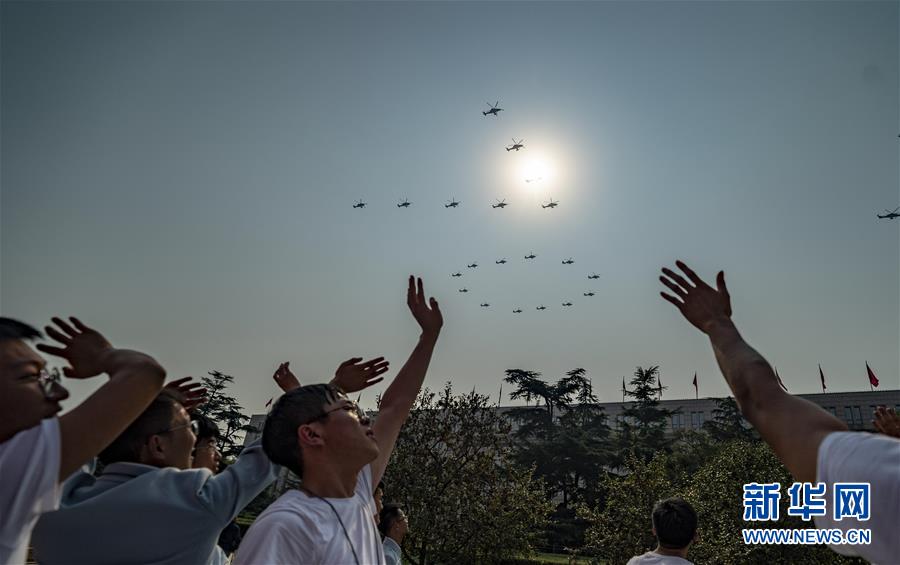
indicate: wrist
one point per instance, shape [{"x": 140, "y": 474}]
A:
[
  {"x": 429, "y": 336},
  {"x": 719, "y": 327},
  {"x": 115, "y": 360}
]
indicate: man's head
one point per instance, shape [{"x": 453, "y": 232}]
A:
[
  {"x": 393, "y": 522},
  {"x": 674, "y": 523},
  {"x": 162, "y": 436},
  {"x": 28, "y": 394},
  {"x": 315, "y": 425},
  {"x": 206, "y": 450}
]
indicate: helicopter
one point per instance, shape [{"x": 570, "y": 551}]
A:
[
  {"x": 531, "y": 255},
  {"x": 568, "y": 261},
  {"x": 359, "y": 204},
  {"x": 515, "y": 146},
  {"x": 464, "y": 290},
  {"x": 588, "y": 294},
  {"x": 501, "y": 262},
  {"x": 456, "y": 275},
  {"x": 541, "y": 307},
  {"x": 517, "y": 311},
  {"x": 500, "y": 204},
  {"x": 452, "y": 204},
  {"x": 566, "y": 303},
  {"x": 485, "y": 305},
  {"x": 472, "y": 266},
  {"x": 404, "y": 203},
  {"x": 593, "y": 276},
  {"x": 536, "y": 179},
  {"x": 494, "y": 109},
  {"x": 550, "y": 204},
  {"x": 889, "y": 215}
]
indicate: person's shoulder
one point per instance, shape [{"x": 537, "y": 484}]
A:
[
  {"x": 46, "y": 432},
  {"x": 842, "y": 449},
  {"x": 292, "y": 506}
]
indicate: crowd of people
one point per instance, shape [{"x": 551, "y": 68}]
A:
[{"x": 132, "y": 475}]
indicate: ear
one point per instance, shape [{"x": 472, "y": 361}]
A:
[
  {"x": 310, "y": 435},
  {"x": 156, "y": 448}
]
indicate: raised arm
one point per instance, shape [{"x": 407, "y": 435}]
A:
[
  {"x": 792, "y": 426},
  {"x": 135, "y": 380},
  {"x": 399, "y": 397}
]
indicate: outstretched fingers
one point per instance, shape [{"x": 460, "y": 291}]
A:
[{"x": 686, "y": 286}]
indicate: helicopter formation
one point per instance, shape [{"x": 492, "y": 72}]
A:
[
  {"x": 453, "y": 203},
  {"x": 517, "y": 144},
  {"x": 530, "y": 257}
]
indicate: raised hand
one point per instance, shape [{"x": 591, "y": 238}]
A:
[
  {"x": 427, "y": 314},
  {"x": 285, "y": 378},
  {"x": 887, "y": 421},
  {"x": 699, "y": 303},
  {"x": 192, "y": 393},
  {"x": 352, "y": 375},
  {"x": 84, "y": 348}
]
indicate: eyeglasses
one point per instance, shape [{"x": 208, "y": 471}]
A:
[
  {"x": 192, "y": 424},
  {"x": 47, "y": 380},
  {"x": 351, "y": 407}
]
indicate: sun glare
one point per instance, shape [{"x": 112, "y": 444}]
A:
[{"x": 537, "y": 173}]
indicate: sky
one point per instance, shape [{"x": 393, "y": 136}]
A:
[{"x": 181, "y": 176}]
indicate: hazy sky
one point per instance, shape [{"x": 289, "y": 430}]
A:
[{"x": 181, "y": 176}]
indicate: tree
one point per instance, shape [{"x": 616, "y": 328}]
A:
[
  {"x": 566, "y": 442},
  {"x": 728, "y": 423},
  {"x": 225, "y": 411},
  {"x": 643, "y": 423},
  {"x": 622, "y": 528},
  {"x": 452, "y": 471}
]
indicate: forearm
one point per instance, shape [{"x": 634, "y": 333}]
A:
[
  {"x": 746, "y": 371},
  {"x": 402, "y": 392},
  {"x": 135, "y": 380}
]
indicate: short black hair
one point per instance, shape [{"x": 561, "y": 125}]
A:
[
  {"x": 390, "y": 513},
  {"x": 14, "y": 329},
  {"x": 206, "y": 427},
  {"x": 157, "y": 417},
  {"x": 293, "y": 409},
  {"x": 675, "y": 523}
]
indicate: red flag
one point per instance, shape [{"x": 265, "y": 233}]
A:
[
  {"x": 696, "y": 388},
  {"x": 269, "y": 403},
  {"x": 873, "y": 380},
  {"x": 822, "y": 376},
  {"x": 777, "y": 376},
  {"x": 659, "y": 382}
]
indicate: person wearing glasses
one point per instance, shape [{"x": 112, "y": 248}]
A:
[
  {"x": 38, "y": 449},
  {"x": 394, "y": 526},
  {"x": 328, "y": 441}
]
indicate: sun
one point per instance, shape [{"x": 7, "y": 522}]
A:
[{"x": 536, "y": 170}]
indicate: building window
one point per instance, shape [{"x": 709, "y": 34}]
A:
[
  {"x": 848, "y": 415},
  {"x": 677, "y": 421},
  {"x": 697, "y": 420},
  {"x": 857, "y": 416}
]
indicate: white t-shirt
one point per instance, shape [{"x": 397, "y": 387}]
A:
[
  {"x": 859, "y": 457},
  {"x": 653, "y": 558},
  {"x": 29, "y": 485},
  {"x": 301, "y": 529}
]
